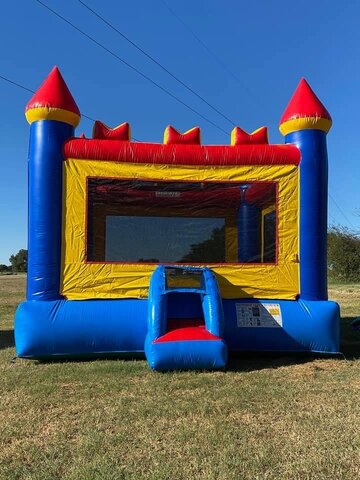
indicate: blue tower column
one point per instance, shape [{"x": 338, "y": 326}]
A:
[
  {"x": 53, "y": 115},
  {"x": 45, "y": 208},
  {"x": 249, "y": 232},
  {"x": 313, "y": 212}
]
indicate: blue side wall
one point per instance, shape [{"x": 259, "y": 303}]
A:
[{"x": 45, "y": 208}]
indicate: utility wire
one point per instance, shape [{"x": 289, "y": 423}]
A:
[
  {"x": 341, "y": 210},
  {"x": 27, "y": 89},
  {"x": 16, "y": 84},
  {"x": 150, "y": 57},
  {"x": 92, "y": 39},
  {"x": 332, "y": 218},
  {"x": 203, "y": 44}
]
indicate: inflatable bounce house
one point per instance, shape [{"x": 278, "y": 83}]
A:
[{"x": 182, "y": 251}]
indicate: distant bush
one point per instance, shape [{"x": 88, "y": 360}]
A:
[
  {"x": 19, "y": 261},
  {"x": 5, "y": 268},
  {"x": 343, "y": 254}
]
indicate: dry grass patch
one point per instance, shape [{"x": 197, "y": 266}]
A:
[{"x": 265, "y": 418}]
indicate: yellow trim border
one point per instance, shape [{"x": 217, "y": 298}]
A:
[
  {"x": 305, "y": 123},
  {"x": 49, "y": 113}
]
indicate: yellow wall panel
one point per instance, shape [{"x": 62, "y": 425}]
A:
[{"x": 82, "y": 280}]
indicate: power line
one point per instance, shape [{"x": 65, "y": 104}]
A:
[
  {"x": 150, "y": 57},
  {"x": 17, "y": 84},
  {"x": 27, "y": 89},
  {"x": 203, "y": 44},
  {"x": 341, "y": 210},
  {"x": 333, "y": 219},
  {"x": 92, "y": 39},
  {"x": 23, "y": 87},
  {"x": 89, "y": 118}
]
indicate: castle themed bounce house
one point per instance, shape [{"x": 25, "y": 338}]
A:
[{"x": 182, "y": 251}]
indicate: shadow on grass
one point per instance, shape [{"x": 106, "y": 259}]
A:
[
  {"x": 350, "y": 339},
  {"x": 90, "y": 357},
  {"x": 254, "y": 361},
  {"x": 244, "y": 361},
  {"x": 238, "y": 362},
  {"x": 6, "y": 339}
]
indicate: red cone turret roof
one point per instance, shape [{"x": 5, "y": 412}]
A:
[
  {"x": 54, "y": 93},
  {"x": 53, "y": 97},
  {"x": 304, "y": 104}
]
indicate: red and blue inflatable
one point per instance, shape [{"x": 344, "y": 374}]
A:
[{"x": 179, "y": 251}]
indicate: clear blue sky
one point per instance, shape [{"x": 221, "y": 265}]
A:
[{"x": 268, "y": 46}]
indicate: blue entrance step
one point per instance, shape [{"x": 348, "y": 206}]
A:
[{"x": 185, "y": 320}]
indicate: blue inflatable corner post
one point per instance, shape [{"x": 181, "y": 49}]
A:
[
  {"x": 313, "y": 212},
  {"x": 45, "y": 208}
]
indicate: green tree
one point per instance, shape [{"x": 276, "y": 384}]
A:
[
  {"x": 19, "y": 261},
  {"x": 211, "y": 250},
  {"x": 4, "y": 268},
  {"x": 343, "y": 254}
]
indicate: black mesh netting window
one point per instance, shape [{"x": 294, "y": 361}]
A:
[{"x": 167, "y": 222}]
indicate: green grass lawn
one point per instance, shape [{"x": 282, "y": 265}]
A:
[{"x": 264, "y": 418}]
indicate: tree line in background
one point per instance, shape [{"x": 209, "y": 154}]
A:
[
  {"x": 18, "y": 263},
  {"x": 343, "y": 256}
]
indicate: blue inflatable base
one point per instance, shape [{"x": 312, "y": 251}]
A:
[
  {"x": 65, "y": 328},
  {"x": 186, "y": 355}
]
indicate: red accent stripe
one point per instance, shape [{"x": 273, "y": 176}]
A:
[
  {"x": 186, "y": 334},
  {"x": 153, "y": 153},
  {"x": 226, "y": 197}
]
